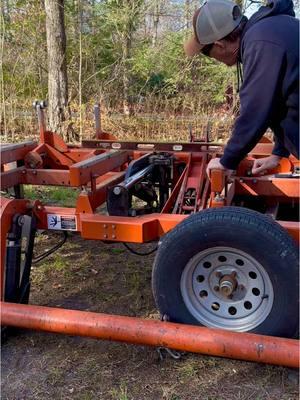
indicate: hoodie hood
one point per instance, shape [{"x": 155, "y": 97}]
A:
[{"x": 274, "y": 7}]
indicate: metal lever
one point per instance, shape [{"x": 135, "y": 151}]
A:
[{"x": 40, "y": 106}]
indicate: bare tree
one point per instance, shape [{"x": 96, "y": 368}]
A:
[
  {"x": 57, "y": 66},
  {"x": 156, "y": 16},
  {"x": 132, "y": 10},
  {"x": 188, "y": 13}
]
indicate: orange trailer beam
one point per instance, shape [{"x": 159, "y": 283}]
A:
[
  {"x": 267, "y": 186},
  {"x": 214, "y": 342},
  {"x": 127, "y": 229},
  {"x": 14, "y": 152}
]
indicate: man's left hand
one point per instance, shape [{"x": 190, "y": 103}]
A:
[{"x": 215, "y": 164}]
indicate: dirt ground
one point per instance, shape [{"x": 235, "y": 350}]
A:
[{"x": 90, "y": 275}]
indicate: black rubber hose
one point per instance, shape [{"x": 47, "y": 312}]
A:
[{"x": 47, "y": 253}]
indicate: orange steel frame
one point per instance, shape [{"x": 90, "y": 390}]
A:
[{"x": 94, "y": 167}]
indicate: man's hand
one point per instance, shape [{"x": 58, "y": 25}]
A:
[
  {"x": 215, "y": 164},
  {"x": 263, "y": 164}
]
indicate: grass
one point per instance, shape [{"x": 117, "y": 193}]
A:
[
  {"x": 55, "y": 266},
  {"x": 164, "y": 126},
  {"x": 121, "y": 393},
  {"x": 56, "y": 195}
]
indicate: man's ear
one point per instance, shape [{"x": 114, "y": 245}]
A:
[{"x": 220, "y": 44}]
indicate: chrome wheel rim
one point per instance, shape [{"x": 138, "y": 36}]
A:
[{"x": 226, "y": 288}]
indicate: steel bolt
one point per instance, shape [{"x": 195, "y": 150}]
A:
[
  {"x": 21, "y": 220},
  {"x": 219, "y": 197},
  {"x": 227, "y": 287},
  {"x": 113, "y": 236},
  {"x": 117, "y": 190},
  {"x": 113, "y": 227},
  {"x": 105, "y": 236},
  {"x": 104, "y": 226}
]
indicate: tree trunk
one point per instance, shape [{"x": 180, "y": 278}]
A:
[
  {"x": 155, "y": 22},
  {"x": 57, "y": 66},
  {"x": 127, "y": 106},
  {"x": 126, "y": 53},
  {"x": 188, "y": 17}
]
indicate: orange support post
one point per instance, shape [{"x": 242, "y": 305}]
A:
[{"x": 214, "y": 342}]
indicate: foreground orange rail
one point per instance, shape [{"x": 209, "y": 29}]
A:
[{"x": 214, "y": 342}]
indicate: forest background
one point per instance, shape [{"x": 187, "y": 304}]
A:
[{"x": 126, "y": 55}]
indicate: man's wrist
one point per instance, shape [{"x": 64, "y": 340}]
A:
[{"x": 276, "y": 157}]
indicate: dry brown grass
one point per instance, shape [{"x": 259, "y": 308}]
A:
[{"x": 163, "y": 126}]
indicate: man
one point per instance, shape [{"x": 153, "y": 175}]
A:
[{"x": 267, "y": 45}]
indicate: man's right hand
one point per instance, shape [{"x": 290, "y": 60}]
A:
[{"x": 262, "y": 165}]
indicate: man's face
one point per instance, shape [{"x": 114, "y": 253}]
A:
[{"x": 225, "y": 51}]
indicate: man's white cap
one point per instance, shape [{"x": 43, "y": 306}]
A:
[{"x": 211, "y": 22}]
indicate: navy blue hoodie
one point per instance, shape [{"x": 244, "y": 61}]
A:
[{"x": 269, "y": 95}]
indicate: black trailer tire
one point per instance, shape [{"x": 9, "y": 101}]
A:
[{"x": 252, "y": 246}]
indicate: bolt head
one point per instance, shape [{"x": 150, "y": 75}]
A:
[
  {"x": 21, "y": 220},
  {"x": 117, "y": 190}
]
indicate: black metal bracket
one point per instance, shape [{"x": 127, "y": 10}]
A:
[
  {"x": 141, "y": 178},
  {"x": 19, "y": 254}
]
